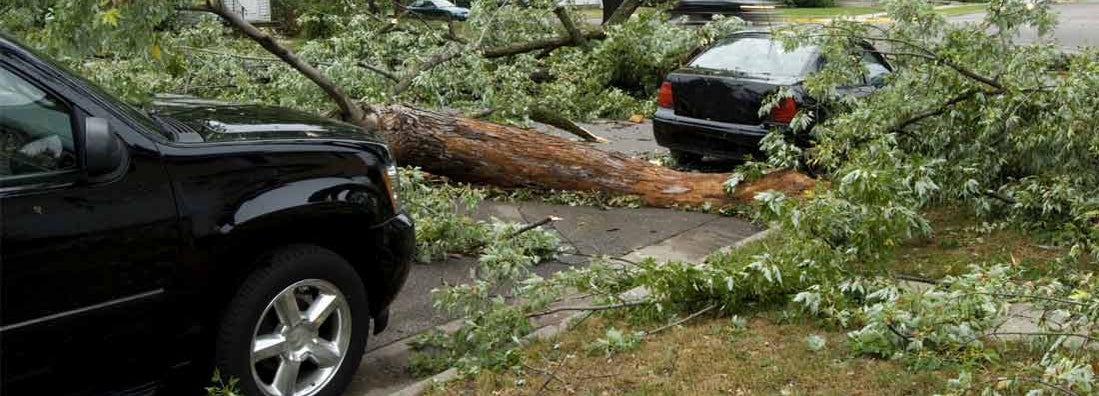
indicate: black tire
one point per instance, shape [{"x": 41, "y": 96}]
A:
[
  {"x": 277, "y": 271},
  {"x": 686, "y": 159}
]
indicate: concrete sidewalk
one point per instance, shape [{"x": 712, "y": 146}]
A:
[
  {"x": 626, "y": 137},
  {"x": 662, "y": 233},
  {"x": 633, "y": 234}
]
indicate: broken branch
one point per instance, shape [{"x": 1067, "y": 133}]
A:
[
  {"x": 965, "y": 95},
  {"x": 534, "y": 225},
  {"x": 550, "y": 118},
  {"x": 535, "y": 45},
  {"x": 681, "y": 321},
  {"x": 348, "y": 108},
  {"x": 587, "y": 308},
  {"x": 452, "y": 33},
  {"x": 380, "y": 71},
  {"x": 623, "y": 12},
  {"x": 431, "y": 61},
  {"x": 570, "y": 26}
]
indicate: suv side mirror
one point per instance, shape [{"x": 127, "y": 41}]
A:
[{"x": 102, "y": 149}]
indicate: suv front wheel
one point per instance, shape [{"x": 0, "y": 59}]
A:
[{"x": 297, "y": 326}]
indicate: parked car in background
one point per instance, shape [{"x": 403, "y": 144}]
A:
[
  {"x": 439, "y": 9},
  {"x": 141, "y": 252},
  {"x": 711, "y": 106},
  {"x": 703, "y": 11}
]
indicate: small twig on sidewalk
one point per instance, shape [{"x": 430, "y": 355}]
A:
[
  {"x": 587, "y": 308},
  {"x": 518, "y": 232},
  {"x": 681, "y": 321},
  {"x": 534, "y": 225},
  {"x": 593, "y": 257}
]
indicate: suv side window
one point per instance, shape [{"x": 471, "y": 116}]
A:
[{"x": 36, "y": 130}]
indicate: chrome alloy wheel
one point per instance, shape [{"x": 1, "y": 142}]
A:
[{"x": 301, "y": 339}]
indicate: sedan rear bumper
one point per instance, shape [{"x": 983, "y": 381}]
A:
[{"x": 718, "y": 139}]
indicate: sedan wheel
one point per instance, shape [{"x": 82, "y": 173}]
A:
[{"x": 300, "y": 339}]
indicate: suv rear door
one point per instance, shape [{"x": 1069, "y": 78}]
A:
[{"x": 83, "y": 263}]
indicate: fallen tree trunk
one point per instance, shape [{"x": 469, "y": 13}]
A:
[
  {"x": 470, "y": 150},
  {"x": 477, "y": 151}
]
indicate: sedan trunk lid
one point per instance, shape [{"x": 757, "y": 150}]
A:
[{"x": 729, "y": 81}]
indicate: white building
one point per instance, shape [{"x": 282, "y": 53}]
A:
[
  {"x": 255, "y": 11},
  {"x": 582, "y": 3}
]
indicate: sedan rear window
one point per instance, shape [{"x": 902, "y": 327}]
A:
[{"x": 756, "y": 56}]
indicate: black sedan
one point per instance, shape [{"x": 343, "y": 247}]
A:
[
  {"x": 711, "y": 106},
  {"x": 439, "y": 9}
]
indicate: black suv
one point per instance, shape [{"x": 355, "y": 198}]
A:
[{"x": 142, "y": 250}]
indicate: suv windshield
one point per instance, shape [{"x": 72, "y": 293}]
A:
[
  {"x": 126, "y": 109},
  {"x": 756, "y": 56}
]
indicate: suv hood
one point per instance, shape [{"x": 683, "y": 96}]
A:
[{"x": 194, "y": 120}]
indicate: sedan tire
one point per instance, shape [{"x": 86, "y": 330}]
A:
[
  {"x": 686, "y": 159},
  {"x": 297, "y": 326}
]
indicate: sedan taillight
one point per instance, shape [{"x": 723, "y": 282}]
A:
[
  {"x": 785, "y": 111},
  {"x": 664, "y": 97}
]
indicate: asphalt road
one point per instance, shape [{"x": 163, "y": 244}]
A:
[{"x": 1078, "y": 25}]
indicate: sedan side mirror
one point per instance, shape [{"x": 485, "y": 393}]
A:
[{"x": 102, "y": 149}]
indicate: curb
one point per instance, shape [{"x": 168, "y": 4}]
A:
[
  {"x": 424, "y": 384},
  {"x": 553, "y": 330}
]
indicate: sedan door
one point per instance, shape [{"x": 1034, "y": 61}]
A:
[{"x": 83, "y": 261}]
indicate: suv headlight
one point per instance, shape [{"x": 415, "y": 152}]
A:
[{"x": 391, "y": 183}]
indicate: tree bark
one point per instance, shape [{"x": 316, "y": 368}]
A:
[
  {"x": 482, "y": 152},
  {"x": 570, "y": 27},
  {"x": 622, "y": 12},
  {"x": 563, "y": 123}
]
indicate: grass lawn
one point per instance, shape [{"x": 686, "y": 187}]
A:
[
  {"x": 827, "y": 12},
  {"x": 962, "y": 10},
  {"x": 958, "y": 241},
  {"x": 710, "y": 356},
  {"x": 704, "y": 357}
]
